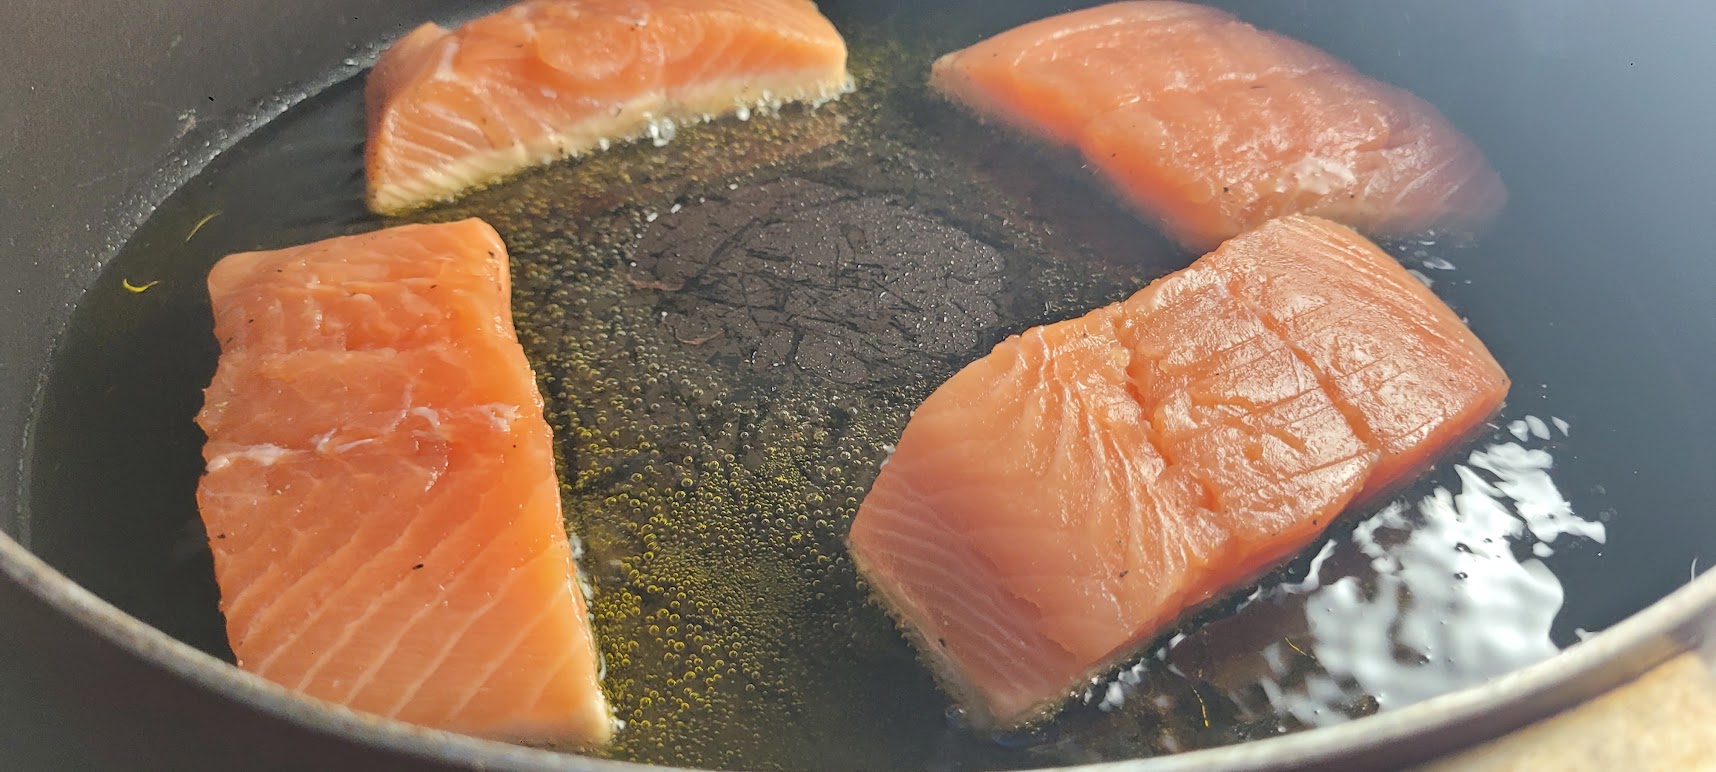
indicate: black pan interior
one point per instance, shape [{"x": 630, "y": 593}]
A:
[{"x": 1595, "y": 291}]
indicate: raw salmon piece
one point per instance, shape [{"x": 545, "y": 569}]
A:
[
  {"x": 1058, "y": 502},
  {"x": 1213, "y": 127},
  {"x": 451, "y": 110},
  {"x": 380, "y": 491},
  {"x": 1411, "y": 376},
  {"x": 328, "y": 295}
]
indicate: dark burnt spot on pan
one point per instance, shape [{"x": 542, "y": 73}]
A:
[{"x": 801, "y": 279}]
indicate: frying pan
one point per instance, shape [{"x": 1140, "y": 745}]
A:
[{"x": 1596, "y": 113}]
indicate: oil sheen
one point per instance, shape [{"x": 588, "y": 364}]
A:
[{"x": 732, "y": 327}]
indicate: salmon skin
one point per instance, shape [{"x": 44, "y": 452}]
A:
[
  {"x": 380, "y": 493},
  {"x": 1212, "y": 127},
  {"x": 451, "y": 110},
  {"x": 1057, "y": 503}
]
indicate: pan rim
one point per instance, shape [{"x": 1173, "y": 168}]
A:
[{"x": 1669, "y": 627}]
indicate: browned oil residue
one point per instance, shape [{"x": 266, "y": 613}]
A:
[{"x": 729, "y": 331}]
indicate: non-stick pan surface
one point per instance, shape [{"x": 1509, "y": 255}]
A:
[{"x": 1597, "y": 285}]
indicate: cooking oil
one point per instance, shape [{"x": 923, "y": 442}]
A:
[{"x": 731, "y": 324}]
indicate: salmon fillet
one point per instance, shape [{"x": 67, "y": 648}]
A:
[
  {"x": 1055, "y": 504},
  {"x": 451, "y": 110},
  {"x": 1212, "y": 127},
  {"x": 380, "y": 493}
]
